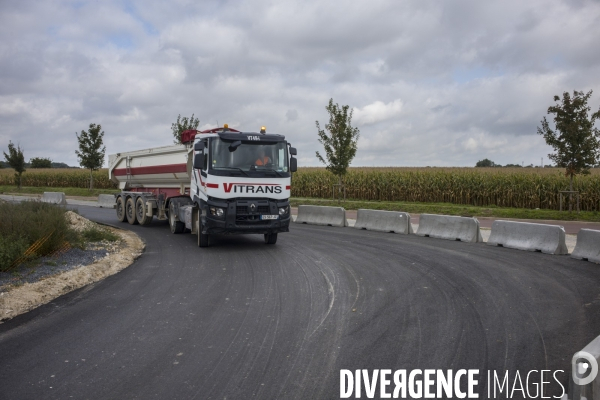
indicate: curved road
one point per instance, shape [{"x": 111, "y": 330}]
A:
[{"x": 245, "y": 320}]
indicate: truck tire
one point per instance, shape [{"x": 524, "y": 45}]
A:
[
  {"x": 270, "y": 238},
  {"x": 130, "y": 211},
  {"x": 203, "y": 239},
  {"x": 140, "y": 212},
  {"x": 176, "y": 226},
  {"x": 121, "y": 209}
]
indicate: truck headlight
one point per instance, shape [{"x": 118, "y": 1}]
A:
[
  {"x": 284, "y": 210},
  {"x": 216, "y": 211}
]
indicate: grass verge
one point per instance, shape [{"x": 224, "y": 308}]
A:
[
  {"x": 452, "y": 209},
  {"x": 98, "y": 234},
  {"x": 68, "y": 191}
]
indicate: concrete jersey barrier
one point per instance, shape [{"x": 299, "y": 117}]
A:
[
  {"x": 54, "y": 198},
  {"x": 449, "y": 227},
  {"x": 321, "y": 215},
  {"x": 588, "y": 246},
  {"x": 106, "y": 201},
  {"x": 549, "y": 239},
  {"x": 585, "y": 364},
  {"x": 384, "y": 221}
]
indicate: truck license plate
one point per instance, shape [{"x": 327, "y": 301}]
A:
[{"x": 269, "y": 216}]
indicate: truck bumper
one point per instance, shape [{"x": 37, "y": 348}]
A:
[
  {"x": 244, "y": 216},
  {"x": 214, "y": 226}
]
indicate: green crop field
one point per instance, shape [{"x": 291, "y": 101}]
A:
[
  {"x": 487, "y": 187},
  {"x": 500, "y": 187},
  {"x": 58, "y": 177}
]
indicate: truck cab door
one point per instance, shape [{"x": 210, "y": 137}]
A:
[{"x": 198, "y": 184}]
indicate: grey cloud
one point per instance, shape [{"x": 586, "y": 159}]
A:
[
  {"x": 291, "y": 115},
  {"x": 133, "y": 67}
]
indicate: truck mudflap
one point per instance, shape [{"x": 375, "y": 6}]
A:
[{"x": 240, "y": 216}]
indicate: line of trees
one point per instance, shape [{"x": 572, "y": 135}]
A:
[
  {"x": 489, "y": 163},
  {"x": 32, "y": 164}
]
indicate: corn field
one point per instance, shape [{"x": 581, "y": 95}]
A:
[
  {"x": 501, "y": 187},
  {"x": 58, "y": 177}
]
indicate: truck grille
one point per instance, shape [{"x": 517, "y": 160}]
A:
[
  {"x": 243, "y": 215},
  {"x": 243, "y": 210}
]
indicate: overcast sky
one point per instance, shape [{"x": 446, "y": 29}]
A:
[{"x": 439, "y": 83}]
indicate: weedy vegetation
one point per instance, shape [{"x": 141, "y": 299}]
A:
[{"x": 32, "y": 229}]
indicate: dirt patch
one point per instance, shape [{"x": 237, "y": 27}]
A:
[
  {"x": 77, "y": 222},
  {"x": 21, "y": 299}
]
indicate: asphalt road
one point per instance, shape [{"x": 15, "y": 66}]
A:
[{"x": 245, "y": 320}]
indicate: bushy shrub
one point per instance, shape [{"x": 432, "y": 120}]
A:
[
  {"x": 31, "y": 222},
  {"x": 11, "y": 248}
]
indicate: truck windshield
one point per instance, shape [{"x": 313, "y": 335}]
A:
[{"x": 253, "y": 159}]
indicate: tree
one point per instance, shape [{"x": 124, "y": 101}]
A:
[
  {"x": 16, "y": 160},
  {"x": 183, "y": 124},
  {"x": 340, "y": 143},
  {"x": 91, "y": 150},
  {"x": 38, "y": 162},
  {"x": 485, "y": 163},
  {"x": 575, "y": 139}
]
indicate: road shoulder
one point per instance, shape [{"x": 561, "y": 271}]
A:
[{"x": 21, "y": 299}]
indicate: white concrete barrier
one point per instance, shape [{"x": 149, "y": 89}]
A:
[
  {"x": 588, "y": 246},
  {"x": 549, "y": 239},
  {"x": 383, "y": 221},
  {"x": 321, "y": 215},
  {"x": 449, "y": 227},
  {"x": 54, "y": 198},
  {"x": 106, "y": 201},
  {"x": 584, "y": 366}
]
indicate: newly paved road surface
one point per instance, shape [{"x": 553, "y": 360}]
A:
[{"x": 243, "y": 320}]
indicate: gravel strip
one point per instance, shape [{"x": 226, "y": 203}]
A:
[{"x": 48, "y": 266}]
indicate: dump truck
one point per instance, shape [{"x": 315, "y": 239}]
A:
[{"x": 218, "y": 181}]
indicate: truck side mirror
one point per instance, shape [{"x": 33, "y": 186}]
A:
[
  {"x": 199, "y": 146},
  {"x": 293, "y": 151},
  {"x": 198, "y": 161},
  {"x": 293, "y": 164}
]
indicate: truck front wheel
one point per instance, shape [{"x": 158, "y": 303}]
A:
[
  {"x": 202, "y": 238},
  {"x": 121, "y": 209},
  {"x": 270, "y": 238},
  {"x": 130, "y": 211}
]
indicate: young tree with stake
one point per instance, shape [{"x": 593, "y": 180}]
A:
[
  {"x": 340, "y": 143},
  {"x": 575, "y": 139},
  {"x": 16, "y": 160},
  {"x": 91, "y": 150}
]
